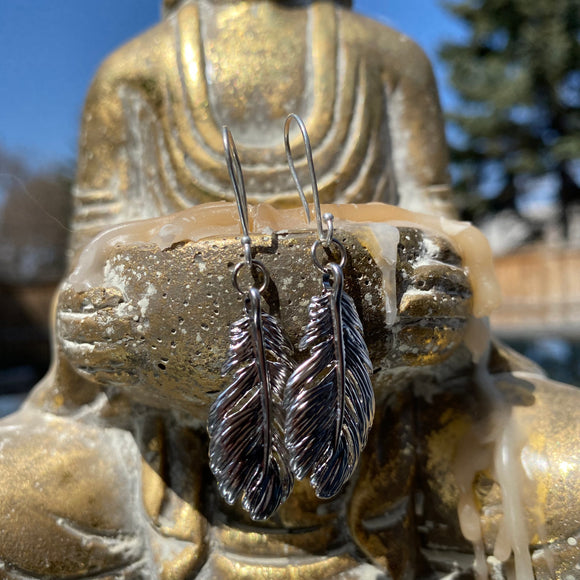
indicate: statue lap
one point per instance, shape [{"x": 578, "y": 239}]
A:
[
  {"x": 81, "y": 493},
  {"x": 68, "y": 491}
]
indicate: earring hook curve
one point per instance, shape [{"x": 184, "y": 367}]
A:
[
  {"x": 237, "y": 179},
  {"x": 324, "y": 237}
]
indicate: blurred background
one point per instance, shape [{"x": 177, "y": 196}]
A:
[{"x": 509, "y": 77}]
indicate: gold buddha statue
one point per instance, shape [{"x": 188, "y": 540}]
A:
[{"x": 104, "y": 471}]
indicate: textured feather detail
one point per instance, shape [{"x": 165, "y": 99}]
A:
[
  {"x": 329, "y": 398},
  {"x": 246, "y": 451}
]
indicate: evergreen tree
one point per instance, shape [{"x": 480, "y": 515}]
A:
[{"x": 517, "y": 123}]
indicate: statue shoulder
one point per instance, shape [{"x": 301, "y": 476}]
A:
[
  {"x": 140, "y": 62},
  {"x": 399, "y": 56}
]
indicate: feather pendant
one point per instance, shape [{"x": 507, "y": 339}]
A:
[
  {"x": 246, "y": 451},
  {"x": 329, "y": 399}
]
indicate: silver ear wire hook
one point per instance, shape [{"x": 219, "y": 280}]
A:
[
  {"x": 324, "y": 237},
  {"x": 237, "y": 179}
]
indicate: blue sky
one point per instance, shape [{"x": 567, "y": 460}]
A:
[{"x": 50, "y": 49}]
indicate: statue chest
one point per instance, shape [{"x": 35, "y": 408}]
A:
[{"x": 256, "y": 67}]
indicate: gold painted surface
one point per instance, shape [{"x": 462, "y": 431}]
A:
[
  {"x": 62, "y": 481},
  {"x": 342, "y": 566},
  {"x": 381, "y": 513},
  {"x": 135, "y": 337},
  {"x": 545, "y": 413},
  {"x": 104, "y": 473}
]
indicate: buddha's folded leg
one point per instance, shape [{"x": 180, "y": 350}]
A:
[
  {"x": 551, "y": 487},
  {"x": 544, "y": 431},
  {"x": 70, "y": 502}
]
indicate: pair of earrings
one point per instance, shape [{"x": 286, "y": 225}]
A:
[{"x": 276, "y": 420}]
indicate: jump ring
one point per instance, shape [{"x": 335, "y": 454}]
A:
[
  {"x": 317, "y": 262},
  {"x": 259, "y": 266}
]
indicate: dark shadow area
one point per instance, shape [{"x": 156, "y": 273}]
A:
[
  {"x": 24, "y": 335},
  {"x": 35, "y": 207},
  {"x": 560, "y": 358}
]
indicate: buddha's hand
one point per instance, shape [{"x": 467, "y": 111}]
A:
[
  {"x": 434, "y": 298},
  {"x": 154, "y": 323},
  {"x": 98, "y": 331},
  {"x": 160, "y": 318}
]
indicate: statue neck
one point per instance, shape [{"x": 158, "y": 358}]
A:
[{"x": 170, "y": 5}]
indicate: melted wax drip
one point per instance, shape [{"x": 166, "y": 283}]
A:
[{"x": 495, "y": 443}]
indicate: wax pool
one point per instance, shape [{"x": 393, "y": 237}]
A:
[{"x": 221, "y": 219}]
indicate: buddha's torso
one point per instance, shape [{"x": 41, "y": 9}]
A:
[{"x": 247, "y": 65}]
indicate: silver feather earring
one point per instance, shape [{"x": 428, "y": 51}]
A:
[
  {"x": 247, "y": 454},
  {"x": 329, "y": 399}
]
